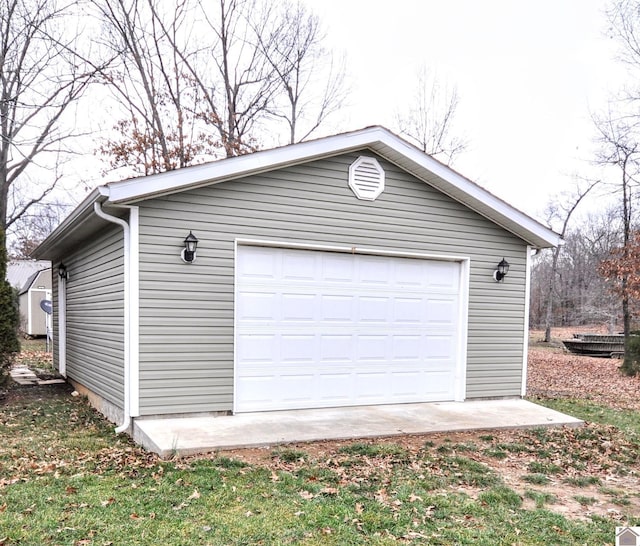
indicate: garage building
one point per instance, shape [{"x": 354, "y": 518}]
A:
[{"x": 349, "y": 270}]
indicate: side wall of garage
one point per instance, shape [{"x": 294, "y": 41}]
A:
[
  {"x": 187, "y": 310},
  {"x": 95, "y": 315}
]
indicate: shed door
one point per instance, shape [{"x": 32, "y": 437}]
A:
[{"x": 323, "y": 329}]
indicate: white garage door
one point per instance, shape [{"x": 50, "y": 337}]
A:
[{"x": 320, "y": 329}]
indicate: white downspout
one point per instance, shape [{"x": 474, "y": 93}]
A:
[
  {"x": 131, "y": 365},
  {"x": 62, "y": 326}
]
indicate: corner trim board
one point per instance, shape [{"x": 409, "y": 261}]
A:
[
  {"x": 525, "y": 343},
  {"x": 62, "y": 326}
]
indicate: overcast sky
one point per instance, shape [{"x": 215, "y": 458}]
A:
[{"x": 528, "y": 72}]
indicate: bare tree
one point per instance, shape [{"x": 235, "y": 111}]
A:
[
  {"x": 620, "y": 149},
  {"x": 236, "y": 81},
  {"x": 561, "y": 209},
  {"x": 150, "y": 81},
  {"x": 430, "y": 117},
  {"x": 209, "y": 77},
  {"x": 624, "y": 27},
  {"x": 33, "y": 227},
  {"x": 311, "y": 81},
  {"x": 580, "y": 295},
  {"x": 41, "y": 78},
  {"x": 590, "y": 244}
]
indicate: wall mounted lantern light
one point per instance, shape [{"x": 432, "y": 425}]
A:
[
  {"x": 62, "y": 272},
  {"x": 189, "y": 251},
  {"x": 500, "y": 273}
]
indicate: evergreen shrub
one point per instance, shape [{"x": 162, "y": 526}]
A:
[{"x": 9, "y": 317}]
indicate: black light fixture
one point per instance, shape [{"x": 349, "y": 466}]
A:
[
  {"x": 62, "y": 271},
  {"x": 190, "y": 245},
  {"x": 501, "y": 272}
]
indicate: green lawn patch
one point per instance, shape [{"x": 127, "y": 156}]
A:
[{"x": 626, "y": 420}]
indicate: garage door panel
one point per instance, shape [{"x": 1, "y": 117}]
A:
[
  {"x": 335, "y": 347},
  {"x": 324, "y": 329},
  {"x": 255, "y": 392},
  {"x": 257, "y": 306},
  {"x": 438, "y": 384},
  {"x": 438, "y": 347},
  {"x": 409, "y": 310},
  {"x": 297, "y": 307},
  {"x": 295, "y": 348},
  {"x": 336, "y": 308},
  {"x": 373, "y": 309},
  {"x": 441, "y": 311},
  {"x": 372, "y": 348},
  {"x": 298, "y": 265},
  {"x": 374, "y": 270},
  {"x": 407, "y": 347},
  {"x": 337, "y": 268},
  {"x": 410, "y": 274},
  {"x": 256, "y": 348},
  {"x": 260, "y": 264},
  {"x": 404, "y": 383},
  {"x": 372, "y": 386},
  {"x": 335, "y": 387},
  {"x": 443, "y": 274}
]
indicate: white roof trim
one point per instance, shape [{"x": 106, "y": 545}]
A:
[{"x": 377, "y": 139}]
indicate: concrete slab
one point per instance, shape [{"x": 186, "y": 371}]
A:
[{"x": 189, "y": 435}]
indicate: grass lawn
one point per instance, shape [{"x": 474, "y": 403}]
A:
[{"x": 65, "y": 479}]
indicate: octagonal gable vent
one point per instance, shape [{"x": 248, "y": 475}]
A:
[{"x": 366, "y": 178}]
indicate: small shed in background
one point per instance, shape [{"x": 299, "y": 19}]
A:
[{"x": 32, "y": 279}]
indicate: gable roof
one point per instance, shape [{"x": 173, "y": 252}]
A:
[
  {"x": 22, "y": 273},
  {"x": 31, "y": 280},
  {"x": 376, "y": 139}
]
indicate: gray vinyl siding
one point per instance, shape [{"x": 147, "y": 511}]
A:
[
  {"x": 95, "y": 315},
  {"x": 186, "y": 310}
]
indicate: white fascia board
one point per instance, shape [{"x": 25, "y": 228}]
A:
[
  {"x": 71, "y": 222},
  {"x": 380, "y": 140}
]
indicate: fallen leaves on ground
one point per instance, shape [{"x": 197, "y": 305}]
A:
[
  {"x": 594, "y": 461},
  {"x": 554, "y": 373}
]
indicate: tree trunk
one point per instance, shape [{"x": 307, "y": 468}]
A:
[
  {"x": 549, "y": 315},
  {"x": 631, "y": 363}
]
